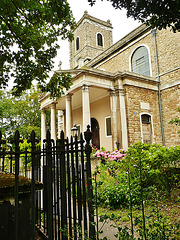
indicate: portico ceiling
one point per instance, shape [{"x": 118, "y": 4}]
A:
[{"x": 94, "y": 95}]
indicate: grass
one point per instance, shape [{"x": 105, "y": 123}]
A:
[
  {"x": 168, "y": 211},
  {"x": 167, "y": 208}
]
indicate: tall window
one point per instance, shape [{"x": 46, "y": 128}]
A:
[
  {"x": 99, "y": 39},
  {"x": 140, "y": 61},
  {"x": 77, "y": 43},
  {"x": 146, "y": 128},
  {"x": 108, "y": 126}
]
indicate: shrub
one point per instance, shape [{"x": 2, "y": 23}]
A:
[
  {"x": 158, "y": 165},
  {"x": 151, "y": 166}
]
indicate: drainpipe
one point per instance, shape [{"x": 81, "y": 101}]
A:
[{"x": 154, "y": 33}]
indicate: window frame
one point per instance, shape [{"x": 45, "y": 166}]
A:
[
  {"x": 106, "y": 127},
  {"x": 97, "y": 39},
  {"x": 77, "y": 38},
  {"x": 149, "y": 55},
  {"x": 152, "y": 127}
]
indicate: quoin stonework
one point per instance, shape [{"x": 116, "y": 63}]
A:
[{"x": 127, "y": 91}]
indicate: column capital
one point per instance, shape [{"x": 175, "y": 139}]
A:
[
  {"x": 85, "y": 88},
  {"x": 120, "y": 92},
  {"x": 68, "y": 96},
  {"x": 112, "y": 93},
  {"x": 53, "y": 105}
]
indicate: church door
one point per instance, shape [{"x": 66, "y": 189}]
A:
[{"x": 95, "y": 133}]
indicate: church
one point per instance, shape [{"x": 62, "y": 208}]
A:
[{"x": 127, "y": 91}]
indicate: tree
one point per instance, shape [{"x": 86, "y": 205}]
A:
[
  {"x": 20, "y": 113},
  {"x": 157, "y": 13},
  {"x": 29, "y": 32}
]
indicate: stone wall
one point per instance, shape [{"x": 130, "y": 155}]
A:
[
  {"x": 134, "y": 97},
  {"x": 168, "y": 49},
  {"x": 170, "y": 102},
  {"x": 86, "y": 31}
]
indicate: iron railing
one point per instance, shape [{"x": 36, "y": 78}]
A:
[{"x": 64, "y": 208}]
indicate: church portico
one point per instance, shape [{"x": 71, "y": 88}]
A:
[{"x": 84, "y": 102}]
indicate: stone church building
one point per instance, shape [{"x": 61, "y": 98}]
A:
[{"x": 127, "y": 91}]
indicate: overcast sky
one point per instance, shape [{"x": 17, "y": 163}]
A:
[{"x": 104, "y": 11}]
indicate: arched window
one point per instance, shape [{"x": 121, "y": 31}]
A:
[
  {"x": 146, "y": 128},
  {"x": 140, "y": 61},
  {"x": 99, "y": 39},
  {"x": 77, "y": 43}
]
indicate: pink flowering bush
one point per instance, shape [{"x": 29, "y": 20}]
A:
[
  {"x": 117, "y": 155},
  {"x": 105, "y": 155}
]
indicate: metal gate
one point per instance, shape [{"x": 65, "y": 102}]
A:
[{"x": 64, "y": 209}]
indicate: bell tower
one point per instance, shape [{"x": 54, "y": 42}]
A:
[{"x": 91, "y": 37}]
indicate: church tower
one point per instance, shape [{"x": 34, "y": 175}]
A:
[{"x": 91, "y": 37}]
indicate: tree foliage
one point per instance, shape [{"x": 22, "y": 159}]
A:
[
  {"x": 20, "y": 113},
  {"x": 29, "y": 32},
  {"x": 157, "y": 13}
]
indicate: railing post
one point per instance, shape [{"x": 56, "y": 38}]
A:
[
  {"x": 63, "y": 186},
  {"x": 88, "y": 150},
  {"x": 16, "y": 141},
  {"x": 48, "y": 142},
  {"x": 33, "y": 142},
  {"x": 83, "y": 186}
]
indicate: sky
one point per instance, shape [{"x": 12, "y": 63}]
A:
[{"x": 102, "y": 10}]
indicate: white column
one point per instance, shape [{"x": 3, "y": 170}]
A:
[
  {"x": 68, "y": 115},
  {"x": 43, "y": 125},
  {"x": 86, "y": 107},
  {"x": 53, "y": 122},
  {"x": 123, "y": 120},
  {"x": 113, "y": 104},
  {"x": 60, "y": 122}
]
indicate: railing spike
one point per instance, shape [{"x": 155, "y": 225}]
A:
[
  {"x": 62, "y": 134},
  {"x": 33, "y": 140}
]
